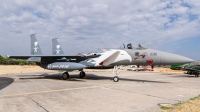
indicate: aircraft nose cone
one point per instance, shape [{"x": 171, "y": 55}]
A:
[{"x": 169, "y": 58}]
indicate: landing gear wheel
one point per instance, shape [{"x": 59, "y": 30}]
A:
[
  {"x": 82, "y": 74},
  {"x": 196, "y": 74},
  {"x": 65, "y": 75},
  {"x": 115, "y": 79}
]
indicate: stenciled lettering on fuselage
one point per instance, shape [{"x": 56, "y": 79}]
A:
[
  {"x": 140, "y": 56},
  {"x": 50, "y": 66},
  {"x": 153, "y": 54}
]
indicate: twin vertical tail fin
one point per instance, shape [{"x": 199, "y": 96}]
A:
[
  {"x": 56, "y": 48},
  {"x": 35, "y": 50},
  {"x": 35, "y": 47}
]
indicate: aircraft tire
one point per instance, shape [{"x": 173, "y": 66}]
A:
[
  {"x": 115, "y": 79},
  {"x": 65, "y": 75},
  {"x": 196, "y": 74},
  {"x": 82, "y": 74}
]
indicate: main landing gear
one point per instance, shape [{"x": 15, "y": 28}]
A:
[
  {"x": 65, "y": 75},
  {"x": 196, "y": 74},
  {"x": 82, "y": 74},
  {"x": 116, "y": 71}
]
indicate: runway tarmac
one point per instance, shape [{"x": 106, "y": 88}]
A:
[{"x": 135, "y": 92}]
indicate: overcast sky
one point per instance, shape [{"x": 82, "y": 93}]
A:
[{"x": 86, "y": 25}]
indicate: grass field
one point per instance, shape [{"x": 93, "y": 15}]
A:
[
  {"x": 192, "y": 105},
  {"x": 10, "y": 69}
]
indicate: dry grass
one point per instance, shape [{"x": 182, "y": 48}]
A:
[
  {"x": 193, "y": 105},
  {"x": 167, "y": 70},
  {"x": 10, "y": 69}
]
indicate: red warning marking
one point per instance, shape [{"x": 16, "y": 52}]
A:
[
  {"x": 143, "y": 55},
  {"x": 149, "y": 61},
  {"x": 101, "y": 63},
  {"x": 37, "y": 63}
]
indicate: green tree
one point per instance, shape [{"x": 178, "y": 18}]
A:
[{"x": 8, "y": 61}]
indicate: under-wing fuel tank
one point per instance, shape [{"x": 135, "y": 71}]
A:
[{"x": 68, "y": 66}]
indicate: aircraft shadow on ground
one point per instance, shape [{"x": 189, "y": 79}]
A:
[
  {"x": 56, "y": 76},
  {"x": 5, "y": 81},
  {"x": 95, "y": 77},
  {"x": 184, "y": 76},
  {"x": 75, "y": 77}
]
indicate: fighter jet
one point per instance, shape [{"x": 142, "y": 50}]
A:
[
  {"x": 177, "y": 66},
  {"x": 111, "y": 57},
  {"x": 192, "y": 68},
  {"x": 139, "y": 56}
]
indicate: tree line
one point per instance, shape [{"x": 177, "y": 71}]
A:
[{"x": 9, "y": 61}]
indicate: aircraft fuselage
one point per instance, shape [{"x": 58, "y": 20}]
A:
[{"x": 136, "y": 57}]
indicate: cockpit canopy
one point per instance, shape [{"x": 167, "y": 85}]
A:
[
  {"x": 139, "y": 47},
  {"x": 129, "y": 46}
]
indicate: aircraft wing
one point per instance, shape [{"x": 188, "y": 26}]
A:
[
  {"x": 19, "y": 57},
  {"x": 43, "y": 56},
  {"x": 50, "y": 58},
  {"x": 108, "y": 58}
]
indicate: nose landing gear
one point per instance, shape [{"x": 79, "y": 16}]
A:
[
  {"x": 115, "y": 78},
  {"x": 116, "y": 71}
]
